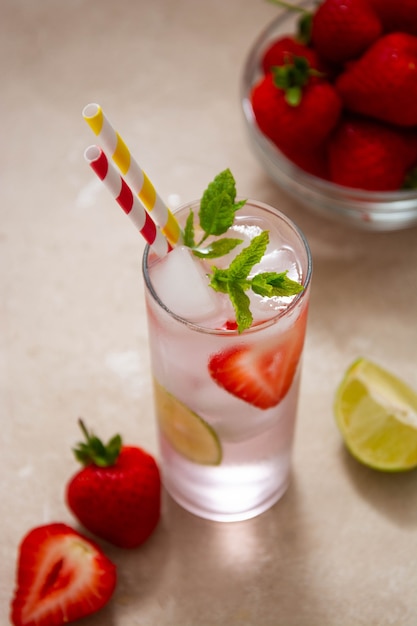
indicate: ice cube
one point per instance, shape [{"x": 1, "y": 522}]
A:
[
  {"x": 279, "y": 260},
  {"x": 182, "y": 285}
]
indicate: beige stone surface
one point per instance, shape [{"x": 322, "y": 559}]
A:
[{"x": 340, "y": 548}]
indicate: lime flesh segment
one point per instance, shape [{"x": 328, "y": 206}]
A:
[
  {"x": 377, "y": 416},
  {"x": 186, "y": 431}
]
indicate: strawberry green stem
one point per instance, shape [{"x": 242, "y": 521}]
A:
[
  {"x": 410, "y": 181},
  {"x": 290, "y": 6},
  {"x": 292, "y": 77},
  {"x": 303, "y": 34},
  {"x": 92, "y": 451}
]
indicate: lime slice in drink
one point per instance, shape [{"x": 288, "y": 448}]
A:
[
  {"x": 186, "y": 431},
  {"x": 377, "y": 416}
]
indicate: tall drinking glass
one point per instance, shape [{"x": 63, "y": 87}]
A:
[{"x": 226, "y": 401}]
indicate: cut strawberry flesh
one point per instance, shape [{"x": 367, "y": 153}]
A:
[
  {"x": 62, "y": 576},
  {"x": 263, "y": 375},
  {"x": 229, "y": 325},
  {"x": 232, "y": 324}
]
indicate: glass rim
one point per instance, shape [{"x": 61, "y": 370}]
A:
[{"x": 254, "y": 328}]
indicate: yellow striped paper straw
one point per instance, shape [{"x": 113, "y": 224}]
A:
[{"x": 132, "y": 172}]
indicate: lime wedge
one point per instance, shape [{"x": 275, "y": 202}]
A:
[
  {"x": 377, "y": 416},
  {"x": 186, "y": 431}
]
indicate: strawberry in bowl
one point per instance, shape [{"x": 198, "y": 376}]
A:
[{"x": 363, "y": 76}]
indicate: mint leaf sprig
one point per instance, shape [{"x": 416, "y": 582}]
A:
[
  {"x": 216, "y": 215},
  {"x": 235, "y": 280}
]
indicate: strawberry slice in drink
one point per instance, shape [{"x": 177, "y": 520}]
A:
[
  {"x": 62, "y": 576},
  {"x": 257, "y": 374}
]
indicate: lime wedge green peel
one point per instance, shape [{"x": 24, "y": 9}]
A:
[
  {"x": 377, "y": 415},
  {"x": 186, "y": 431}
]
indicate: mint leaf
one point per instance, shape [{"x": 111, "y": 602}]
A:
[
  {"x": 188, "y": 234},
  {"x": 217, "y": 248},
  {"x": 234, "y": 280},
  {"x": 217, "y": 206},
  {"x": 241, "y": 304},
  {"x": 217, "y": 215},
  {"x": 271, "y": 284},
  {"x": 242, "y": 264},
  {"x": 219, "y": 279}
]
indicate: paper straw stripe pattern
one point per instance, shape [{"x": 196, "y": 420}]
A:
[
  {"x": 121, "y": 155},
  {"x": 147, "y": 193},
  {"x": 135, "y": 176},
  {"x": 127, "y": 200}
]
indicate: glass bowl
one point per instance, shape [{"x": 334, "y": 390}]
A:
[{"x": 377, "y": 211}]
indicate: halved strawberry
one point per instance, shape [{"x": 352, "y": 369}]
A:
[
  {"x": 62, "y": 576},
  {"x": 257, "y": 374}
]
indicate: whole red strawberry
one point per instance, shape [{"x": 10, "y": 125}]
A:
[
  {"x": 117, "y": 494},
  {"x": 383, "y": 83},
  {"x": 295, "y": 108},
  {"x": 284, "y": 49},
  {"x": 343, "y": 29},
  {"x": 371, "y": 155},
  {"x": 312, "y": 160},
  {"x": 396, "y": 15},
  {"x": 61, "y": 577}
]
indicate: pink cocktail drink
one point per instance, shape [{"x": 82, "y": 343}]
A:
[{"x": 226, "y": 400}]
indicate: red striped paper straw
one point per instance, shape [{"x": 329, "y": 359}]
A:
[
  {"x": 129, "y": 202},
  {"x": 139, "y": 182}
]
